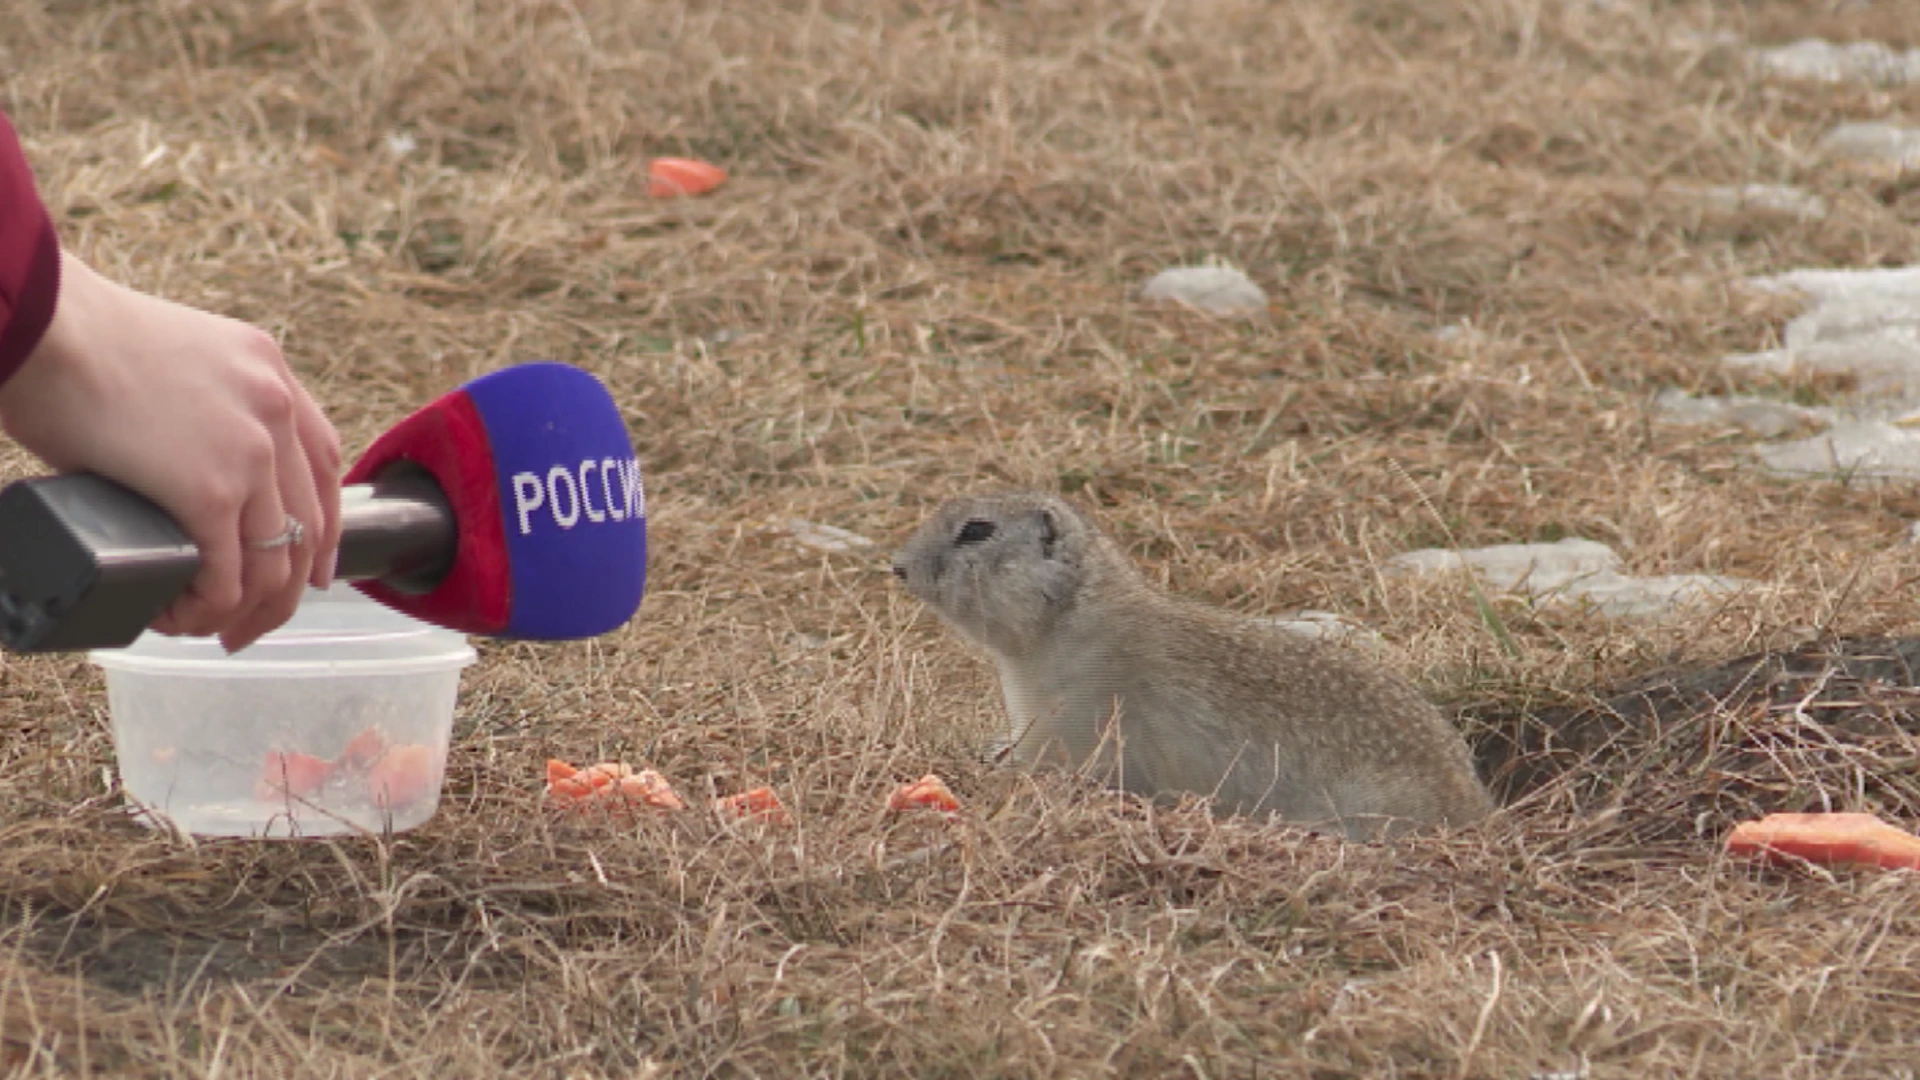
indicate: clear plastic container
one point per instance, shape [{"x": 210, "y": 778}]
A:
[{"x": 336, "y": 722}]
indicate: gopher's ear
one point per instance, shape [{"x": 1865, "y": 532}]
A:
[{"x": 1049, "y": 531}]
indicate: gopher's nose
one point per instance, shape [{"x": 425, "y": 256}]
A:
[{"x": 899, "y": 571}]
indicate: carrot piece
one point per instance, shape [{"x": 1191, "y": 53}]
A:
[
  {"x": 1830, "y": 839},
  {"x": 760, "y": 804},
  {"x": 651, "y": 789},
  {"x": 569, "y": 789},
  {"x": 403, "y": 776},
  {"x": 564, "y": 782},
  {"x": 606, "y": 774},
  {"x": 929, "y": 792},
  {"x": 291, "y": 774},
  {"x": 609, "y": 780},
  {"x": 670, "y": 177},
  {"x": 364, "y": 749}
]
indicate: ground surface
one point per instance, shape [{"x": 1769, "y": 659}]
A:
[{"x": 917, "y": 282}]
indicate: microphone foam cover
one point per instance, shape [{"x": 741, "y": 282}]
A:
[{"x": 547, "y": 499}]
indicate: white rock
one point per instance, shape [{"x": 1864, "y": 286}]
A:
[
  {"x": 1873, "y": 143},
  {"x": 1220, "y": 290},
  {"x": 1853, "y": 449},
  {"x": 1571, "y": 572},
  {"x": 1780, "y": 199},
  {"x": 1817, "y": 60},
  {"x": 826, "y": 537},
  {"x": 1767, "y": 419}
]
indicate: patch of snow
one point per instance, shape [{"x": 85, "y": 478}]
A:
[
  {"x": 1220, "y": 290},
  {"x": 1767, "y": 419},
  {"x": 1781, "y": 199},
  {"x": 1462, "y": 335},
  {"x": 1507, "y": 567},
  {"x": 1623, "y": 597},
  {"x": 1818, "y": 60},
  {"x": 1862, "y": 323},
  {"x": 1873, "y": 143},
  {"x": 1572, "y": 572},
  {"x": 1324, "y": 624},
  {"x": 830, "y": 538},
  {"x": 1704, "y": 40},
  {"x": 1852, "y": 449}
]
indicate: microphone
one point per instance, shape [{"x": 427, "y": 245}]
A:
[{"x": 511, "y": 507}]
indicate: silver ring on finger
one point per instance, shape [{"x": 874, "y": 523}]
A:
[{"x": 289, "y": 537}]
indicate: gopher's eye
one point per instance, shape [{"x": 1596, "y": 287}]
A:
[{"x": 975, "y": 531}]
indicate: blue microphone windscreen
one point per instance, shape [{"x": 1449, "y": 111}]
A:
[{"x": 571, "y": 500}]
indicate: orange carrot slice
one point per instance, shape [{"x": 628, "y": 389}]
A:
[
  {"x": 1830, "y": 839},
  {"x": 364, "y": 749},
  {"x": 609, "y": 780},
  {"x": 671, "y": 177},
  {"x": 564, "y": 782},
  {"x": 569, "y": 789},
  {"x": 606, "y": 774},
  {"x": 927, "y": 793},
  {"x": 760, "y": 804},
  {"x": 402, "y": 777},
  {"x": 291, "y": 774},
  {"x": 649, "y": 788}
]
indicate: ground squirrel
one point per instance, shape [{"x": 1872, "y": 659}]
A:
[{"x": 1262, "y": 719}]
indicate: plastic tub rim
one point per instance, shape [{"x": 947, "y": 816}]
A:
[{"x": 113, "y": 660}]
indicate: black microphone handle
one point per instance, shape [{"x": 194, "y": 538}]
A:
[{"x": 86, "y": 563}]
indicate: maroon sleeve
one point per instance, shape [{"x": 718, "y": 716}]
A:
[{"x": 29, "y": 257}]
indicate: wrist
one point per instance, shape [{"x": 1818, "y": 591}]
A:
[
  {"x": 60, "y": 342},
  {"x": 28, "y": 297}
]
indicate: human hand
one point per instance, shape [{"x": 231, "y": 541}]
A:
[{"x": 201, "y": 414}]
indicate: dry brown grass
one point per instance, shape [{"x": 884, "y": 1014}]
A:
[{"x": 918, "y": 282}]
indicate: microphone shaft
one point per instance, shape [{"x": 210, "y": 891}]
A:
[
  {"x": 399, "y": 528},
  {"x": 86, "y": 563}
]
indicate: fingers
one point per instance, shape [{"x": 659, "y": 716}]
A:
[
  {"x": 274, "y": 578},
  {"x": 215, "y": 589},
  {"x": 321, "y": 445},
  {"x": 268, "y": 458},
  {"x": 248, "y": 507}
]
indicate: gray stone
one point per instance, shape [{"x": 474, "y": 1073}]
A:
[{"x": 1220, "y": 290}]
